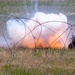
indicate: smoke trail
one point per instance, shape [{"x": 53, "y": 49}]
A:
[{"x": 43, "y": 30}]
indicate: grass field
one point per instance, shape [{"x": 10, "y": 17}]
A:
[{"x": 37, "y": 62}]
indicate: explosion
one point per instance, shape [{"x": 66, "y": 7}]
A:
[{"x": 41, "y": 31}]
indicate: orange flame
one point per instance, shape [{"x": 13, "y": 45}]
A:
[
  {"x": 41, "y": 44},
  {"x": 56, "y": 41},
  {"x": 53, "y": 41}
]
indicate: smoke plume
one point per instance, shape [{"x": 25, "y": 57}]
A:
[{"x": 41, "y": 31}]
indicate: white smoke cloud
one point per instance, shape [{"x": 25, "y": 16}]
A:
[{"x": 41, "y": 28}]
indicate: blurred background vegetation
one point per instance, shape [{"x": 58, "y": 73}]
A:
[{"x": 24, "y": 8}]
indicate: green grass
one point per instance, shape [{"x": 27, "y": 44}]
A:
[
  {"x": 16, "y": 7},
  {"x": 10, "y": 3},
  {"x": 12, "y": 70},
  {"x": 7, "y": 7},
  {"x": 64, "y": 6}
]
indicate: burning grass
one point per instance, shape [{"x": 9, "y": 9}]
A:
[{"x": 37, "y": 61}]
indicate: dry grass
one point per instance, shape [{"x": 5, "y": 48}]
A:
[
  {"x": 37, "y": 62},
  {"x": 43, "y": 58}
]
